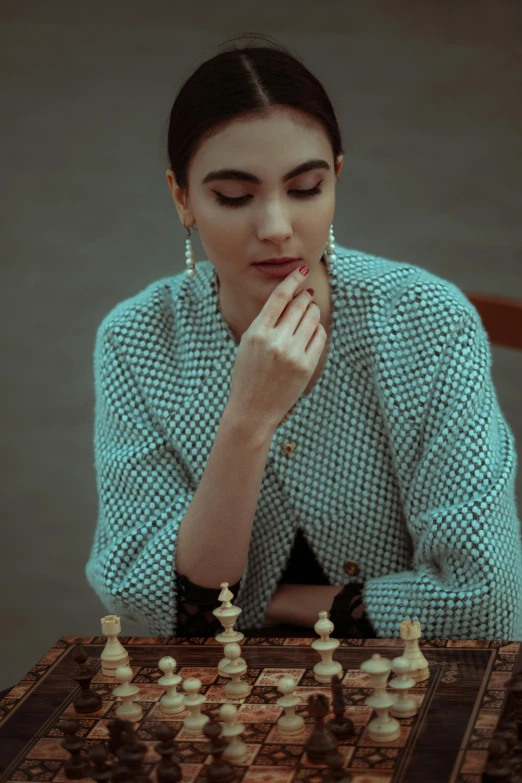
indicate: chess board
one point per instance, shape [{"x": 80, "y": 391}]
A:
[{"x": 458, "y": 709}]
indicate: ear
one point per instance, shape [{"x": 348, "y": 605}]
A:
[
  {"x": 340, "y": 164},
  {"x": 180, "y": 200}
]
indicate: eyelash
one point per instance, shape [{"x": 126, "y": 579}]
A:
[{"x": 238, "y": 202}]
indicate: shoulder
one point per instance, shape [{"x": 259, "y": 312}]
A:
[
  {"x": 134, "y": 317},
  {"x": 398, "y": 294}
]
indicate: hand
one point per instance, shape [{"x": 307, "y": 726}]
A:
[
  {"x": 300, "y": 604},
  {"x": 277, "y": 354}
]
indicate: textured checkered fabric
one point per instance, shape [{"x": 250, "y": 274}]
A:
[{"x": 402, "y": 459}]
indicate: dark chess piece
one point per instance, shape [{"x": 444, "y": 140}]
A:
[
  {"x": 131, "y": 754},
  {"x": 336, "y": 773},
  {"x": 341, "y": 726},
  {"x": 497, "y": 771},
  {"x": 102, "y": 771},
  {"x": 87, "y": 700},
  {"x": 321, "y": 740},
  {"x": 514, "y": 686},
  {"x": 219, "y": 770},
  {"x": 168, "y": 770},
  {"x": 117, "y": 729},
  {"x": 76, "y": 766}
]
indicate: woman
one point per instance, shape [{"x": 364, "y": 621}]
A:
[{"x": 385, "y": 491}]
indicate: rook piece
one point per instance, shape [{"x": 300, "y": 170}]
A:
[
  {"x": 411, "y": 633},
  {"x": 382, "y": 728},
  {"x": 336, "y": 774},
  {"x": 87, "y": 700},
  {"x": 321, "y": 740},
  {"x": 325, "y": 646},
  {"x": 114, "y": 653},
  {"x": 341, "y": 726},
  {"x": 219, "y": 770},
  {"x": 168, "y": 770},
  {"x": 76, "y": 766}
]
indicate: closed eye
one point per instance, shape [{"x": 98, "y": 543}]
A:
[{"x": 238, "y": 202}]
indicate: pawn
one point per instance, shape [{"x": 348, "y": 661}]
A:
[
  {"x": 222, "y": 665},
  {"x": 219, "y": 770},
  {"x": 99, "y": 754},
  {"x": 325, "y": 646},
  {"x": 131, "y": 755},
  {"x": 116, "y": 728},
  {"x": 128, "y": 710},
  {"x": 236, "y": 688},
  {"x": 341, "y": 726},
  {"x": 172, "y": 701},
  {"x": 336, "y": 773},
  {"x": 405, "y": 705},
  {"x": 497, "y": 771},
  {"x": 236, "y": 750},
  {"x": 168, "y": 770},
  {"x": 87, "y": 700},
  {"x": 76, "y": 766},
  {"x": 382, "y": 728},
  {"x": 289, "y": 722},
  {"x": 196, "y": 720}
]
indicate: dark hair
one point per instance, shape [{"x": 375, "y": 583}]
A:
[{"x": 238, "y": 83}]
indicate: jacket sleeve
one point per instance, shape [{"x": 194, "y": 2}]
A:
[
  {"x": 456, "y": 465},
  {"x": 143, "y": 493}
]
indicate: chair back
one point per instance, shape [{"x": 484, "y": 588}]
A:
[{"x": 501, "y": 317}]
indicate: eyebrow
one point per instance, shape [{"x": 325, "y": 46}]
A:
[{"x": 246, "y": 177}]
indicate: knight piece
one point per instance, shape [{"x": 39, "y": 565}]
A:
[
  {"x": 341, "y": 725},
  {"x": 321, "y": 740}
]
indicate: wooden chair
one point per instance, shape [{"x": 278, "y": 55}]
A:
[{"x": 501, "y": 317}]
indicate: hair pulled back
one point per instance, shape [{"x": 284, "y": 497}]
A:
[{"x": 239, "y": 83}]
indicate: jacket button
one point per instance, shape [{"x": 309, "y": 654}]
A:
[{"x": 352, "y": 568}]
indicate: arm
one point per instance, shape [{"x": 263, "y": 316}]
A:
[
  {"x": 146, "y": 500},
  {"x": 224, "y": 504},
  {"x": 456, "y": 462},
  {"x": 301, "y": 604}
]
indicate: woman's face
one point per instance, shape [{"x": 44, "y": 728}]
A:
[{"x": 273, "y": 215}]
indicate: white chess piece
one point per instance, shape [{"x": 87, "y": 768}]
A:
[
  {"x": 289, "y": 722},
  {"x": 237, "y": 688},
  {"x": 114, "y": 653},
  {"x": 325, "y": 646},
  {"x": 382, "y": 728},
  {"x": 236, "y": 750},
  {"x": 227, "y": 615},
  {"x": 222, "y": 665},
  {"x": 172, "y": 701},
  {"x": 128, "y": 710},
  {"x": 194, "y": 722},
  {"x": 410, "y": 632},
  {"x": 405, "y": 705}
]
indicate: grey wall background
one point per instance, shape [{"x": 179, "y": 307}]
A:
[{"x": 428, "y": 100}]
